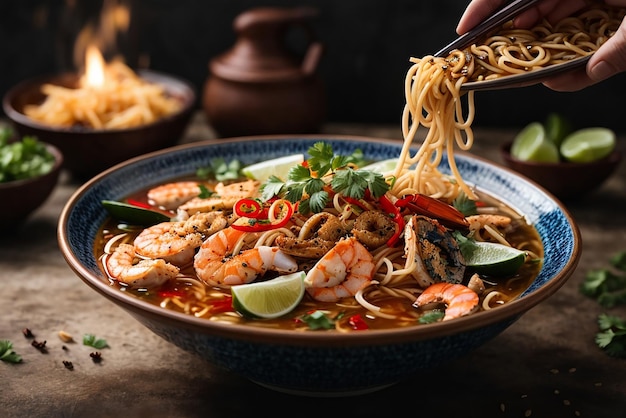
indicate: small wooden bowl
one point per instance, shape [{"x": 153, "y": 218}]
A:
[
  {"x": 565, "y": 180},
  {"x": 20, "y": 198}
]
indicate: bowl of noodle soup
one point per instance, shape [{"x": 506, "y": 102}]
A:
[
  {"x": 332, "y": 362},
  {"x": 147, "y": 111}
]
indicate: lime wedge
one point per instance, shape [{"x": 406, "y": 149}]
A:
[
  {"x": 493, "y": 259},
  {"x": 557, "y": 128},
  {"x": 532, "y": 144},
  {"x": 278, "y": 167},
  {"x": 382, "y": 166},
  {"x": 269, "y": 299},
  {"x": 587, "y": 145},
  {"x": 133, "y": 215}
]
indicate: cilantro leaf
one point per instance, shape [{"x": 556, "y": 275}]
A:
[
  {"x": 465, "y": 205},
  {"x": 318, "y": 201},
  {"x": 91, "y": 341},
  {"x": 619, "y": 261},
  {"x": 607, "y": 287},
  {"x": 205, "y": 192},
  {"x": 431, "y": 316},
  {"x": 353, "y": 183},
  {"x": 220, "y": 170},
  {"x": 321, "y": 157},
  {"x": 7, "y": 354},
  {"x": 272, "y": 187},
  {"x": 318, "y": 320},
  {"x": 612, "y": 335},
  {"x": 358, "y": 158}
]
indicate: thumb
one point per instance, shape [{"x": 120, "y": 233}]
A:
[{"x": 610, "y": 58}]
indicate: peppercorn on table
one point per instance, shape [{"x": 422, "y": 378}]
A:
[{"x": 547, "y": 364}]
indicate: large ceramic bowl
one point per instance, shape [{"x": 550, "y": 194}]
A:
[
  {"x": 330, "y": 363},
  {"x": 87, "y": 151}
]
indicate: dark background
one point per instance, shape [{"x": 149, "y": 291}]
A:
[{"x": 367, "y": 47}]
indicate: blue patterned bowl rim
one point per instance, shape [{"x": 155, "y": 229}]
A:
[{"x": 83, "y": 215}]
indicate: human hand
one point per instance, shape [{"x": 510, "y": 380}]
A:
[{"x": 608, "y": 60}]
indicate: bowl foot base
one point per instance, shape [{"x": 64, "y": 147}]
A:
[{"x": 339, "y": 393}]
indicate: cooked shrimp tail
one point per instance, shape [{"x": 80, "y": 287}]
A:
[
  {"x": 146, "y": 273},
  {"x": 218, "y": 263},
  {"x": 459, "y": 300},
  {"x": 347, "y": 268}
]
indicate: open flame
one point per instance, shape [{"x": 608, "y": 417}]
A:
[
  {"x": 94, "y": 68},
  {"x": 96, "y": 44}
]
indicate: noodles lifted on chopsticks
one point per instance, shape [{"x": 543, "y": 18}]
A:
[{"x": 433, "y": 95}]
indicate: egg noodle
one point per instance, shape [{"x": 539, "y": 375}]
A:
[
  {"x": 125, "y": 100},
  {"x": 433, "y": 90}
]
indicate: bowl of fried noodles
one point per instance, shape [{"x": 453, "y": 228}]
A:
[
  {"x": 387, "y": 286},
  {"x": 96, "y": 128}
]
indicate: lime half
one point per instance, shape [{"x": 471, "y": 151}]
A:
[
  {"x": 587, "y": 145},
  {"x": 278, "y": 167},
  {"x": 493, "y": 259},
  {"x": 532, "y": 144},
  {"x": 383, "y": 166},
  {"x": 557, "y": 128},
  {"x": 269, "y": 299}
]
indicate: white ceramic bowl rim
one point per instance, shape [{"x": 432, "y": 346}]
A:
[{"x": 539, "y": 206}]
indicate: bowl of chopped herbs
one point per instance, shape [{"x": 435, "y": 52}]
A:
[{"x": 29, "y": 172}]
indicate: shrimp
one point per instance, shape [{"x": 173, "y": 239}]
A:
[
  {"x": 146, "y": 273},
  {"x": 162, "y": 241},
  {"x": 176, "y": 242},
  {"x": 172, "y": 195},
  {"x": 459, "y": 300},
  {"x": 347, "y": 268},
  {"x": 225, "y": 197},
  {"x": 217, "y": 266}
]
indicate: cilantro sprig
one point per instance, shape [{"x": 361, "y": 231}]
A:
[
  {"x": 7, "y": 354},
  {"x": 307, "y": 183},
  {"x": 612, "y": 335},
  {"x": 91, "y": 341},
  {"x": 24, "y": 158},
  {"x": 220, "y": 170},
  {"x": 608, "y": 287}
]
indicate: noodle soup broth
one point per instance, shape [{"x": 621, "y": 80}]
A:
[{"x": 188, "y": 294}]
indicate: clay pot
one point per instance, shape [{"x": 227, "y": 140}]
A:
[{"x": 260, "y": 86}]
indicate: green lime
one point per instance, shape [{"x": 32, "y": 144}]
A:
[
  {"x": 586, "y": 145},
  {"x": 269, "y": 299},
  {"x": 557, "y": 128},
  {"x": 493, "y": 259},
  {"x": 278, "y": 167},
  {"x": 532, "y": 144},
  {"x": 382, "y": 166},
  {"x": 132, "y": 214}
]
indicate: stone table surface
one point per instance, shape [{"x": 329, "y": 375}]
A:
[{"x": 547, "y": 364}]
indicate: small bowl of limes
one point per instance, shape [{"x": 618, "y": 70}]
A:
[{"x": 569, "y": 163}]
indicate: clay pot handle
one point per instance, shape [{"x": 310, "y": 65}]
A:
[{"x": 312, "y": 58}]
